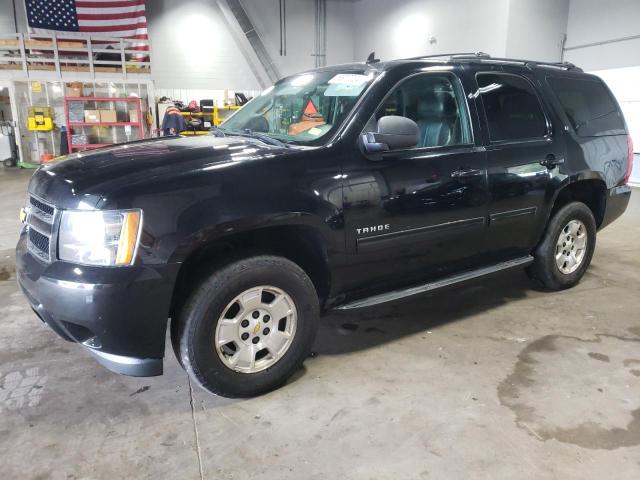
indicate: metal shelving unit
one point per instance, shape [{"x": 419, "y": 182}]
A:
[
  {"x": 87, "y": 146},
  {"x": 216, "y": 118}
]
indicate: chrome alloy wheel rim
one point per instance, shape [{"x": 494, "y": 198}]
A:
[
  {"x": 256, "y": 329},
  {"x": 571, "y": 247}
]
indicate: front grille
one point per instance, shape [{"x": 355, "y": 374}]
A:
[
  {"x": 43, "y": 207},
  {"x": 40, "y": 221},
  {"x": 40, "y": 241}
]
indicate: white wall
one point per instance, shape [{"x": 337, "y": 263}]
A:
[
  {"x": 341, "y": 16},
  {"x": 402, "y": 29},
  {"x": 300, "y": 26},
  {"x": 601, "y": 20},
  {"x": 7, "y": 24},
  {"x": 7, "y": 20},
  {"x": 536, "y": 29},
  {"x": 624, "y": 82},
  {"x": 617, "y": 63},
  {"x": 6, "y": 17},
  {"x": 193, "y": 49}
]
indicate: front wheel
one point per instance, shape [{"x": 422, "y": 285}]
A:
[
  {"x": 566, "y": 249},
  {"x": 248, "y": 327}
]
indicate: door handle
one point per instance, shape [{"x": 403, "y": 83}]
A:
[
  {"x": 466, "y": 173},
  {"x": 551, "y": 161}
]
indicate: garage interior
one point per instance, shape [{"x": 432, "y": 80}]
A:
[{"x": 491, "y": 379}]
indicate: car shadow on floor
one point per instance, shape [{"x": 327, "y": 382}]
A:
[{"x": 353, "y": 330}]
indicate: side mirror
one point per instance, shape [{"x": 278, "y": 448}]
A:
[{"x": 394, "y": 133}]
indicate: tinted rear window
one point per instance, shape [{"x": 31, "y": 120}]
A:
[
  {"x": 589, "y": 106},
  {"x": 512, "y": 107}
]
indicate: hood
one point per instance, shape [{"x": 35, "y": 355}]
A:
[{"x": 81, "y": 179}]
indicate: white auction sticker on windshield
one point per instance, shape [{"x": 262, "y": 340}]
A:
[{"x": 350, "y": 79}]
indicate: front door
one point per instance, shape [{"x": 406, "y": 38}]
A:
[{"x": 417, "y": 213}]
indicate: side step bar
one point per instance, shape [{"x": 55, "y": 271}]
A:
[{"x": 445, "y": 282}]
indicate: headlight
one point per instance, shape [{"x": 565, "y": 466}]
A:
[{"x": 99, "y": 237}]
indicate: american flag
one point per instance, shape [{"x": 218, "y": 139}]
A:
[{"x": 83, "y": 18}]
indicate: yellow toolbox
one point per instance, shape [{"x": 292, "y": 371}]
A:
[{"x": 40, "y": 118}]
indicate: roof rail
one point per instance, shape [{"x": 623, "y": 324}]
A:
[
  {"x": 536, "y": 63},
  {"x": 453, "y": 55},
  {"x": 481, "y": 56}
]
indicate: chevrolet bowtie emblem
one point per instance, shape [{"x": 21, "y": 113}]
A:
[
  {"x": 256, "y": 329},
  {"x": 23, "y": 215}
]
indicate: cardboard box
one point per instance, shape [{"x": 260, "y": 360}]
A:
[
  {"x": 133, "y": 116},
  {"x": 108, "y": 116},
  {"x": 92, "y": 116},
  {"x": 74, "y": 89}
]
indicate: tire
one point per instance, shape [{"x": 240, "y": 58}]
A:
[
  {"x": 545, "y": 270},
  {"x": 198, "y": 326}
]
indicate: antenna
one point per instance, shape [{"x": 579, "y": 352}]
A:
[{"x": 372, "y": 58}]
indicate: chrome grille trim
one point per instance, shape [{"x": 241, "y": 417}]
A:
[{"x": 40, "y": 224}]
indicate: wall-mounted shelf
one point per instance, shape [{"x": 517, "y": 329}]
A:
[
  {"x": 103, "y": 99},
  {"x": 19, "y": 53}
]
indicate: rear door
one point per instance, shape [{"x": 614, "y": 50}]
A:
[
  {"x": 421, "y": 212},
  {"x": 523, "y": 157}
]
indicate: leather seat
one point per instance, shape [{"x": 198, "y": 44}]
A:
[{"x": 437, "y": 120}]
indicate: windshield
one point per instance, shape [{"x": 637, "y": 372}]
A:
[{"x": 303, "y": 108}]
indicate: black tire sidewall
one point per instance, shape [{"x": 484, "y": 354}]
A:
[
  {"x": 545, "y": 268},
  {"x": 203, "y": 310}
]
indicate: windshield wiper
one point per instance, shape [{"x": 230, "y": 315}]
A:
[
  {"x": 579, "y": 125},
  {"x": 263, "y": 137}
]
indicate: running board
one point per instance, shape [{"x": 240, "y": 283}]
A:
[{"x": 445, "y": 282}]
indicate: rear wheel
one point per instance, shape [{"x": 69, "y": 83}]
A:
[
  {"x": 248, "y": 327},
  {"x": 566, "y": 248}
]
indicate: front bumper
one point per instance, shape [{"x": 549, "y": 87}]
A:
[
  {"x": 616, "y": 203},
  {"x": 119, "y": 314}
]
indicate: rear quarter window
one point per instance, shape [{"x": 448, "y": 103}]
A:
[{"x": 589, "y": 106}]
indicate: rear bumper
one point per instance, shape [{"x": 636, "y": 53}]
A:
[
  {"x": 616, "y": 203},
  {"x": 119, "y": 315}
]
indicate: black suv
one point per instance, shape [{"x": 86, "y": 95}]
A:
[{"x": 338, "y": 188}]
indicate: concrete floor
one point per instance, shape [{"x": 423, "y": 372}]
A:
[{"x": 492, "y": 380}]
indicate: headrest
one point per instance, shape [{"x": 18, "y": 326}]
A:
[{"x": 436, "y": 105}]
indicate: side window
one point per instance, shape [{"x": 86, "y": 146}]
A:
[
  {"x": 588, "y": 105},
  {"x": 436, "y": 104},
  {"x": 512, "y": 107}
]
